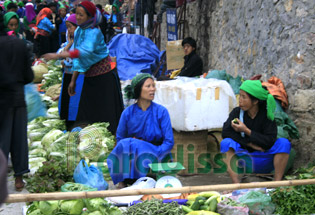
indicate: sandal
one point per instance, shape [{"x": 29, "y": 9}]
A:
[{"x": 19, "y": 184}]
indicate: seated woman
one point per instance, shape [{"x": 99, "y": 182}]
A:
[
  {"x": 250, "y": 134},
  {"x": 144, "y": 134}
]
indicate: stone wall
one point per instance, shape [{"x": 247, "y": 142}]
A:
[{"x": 272, "y": 38}]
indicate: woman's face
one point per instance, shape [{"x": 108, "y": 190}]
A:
[
  {"x": 13, "y": 24},
  {"x": 63, "y": 12},
  {"x": 148, "y": 90},
  {"x": 245, "y": 101},
  {"x": 71, "y": 28},
  {"x": 81, "y": 15}
]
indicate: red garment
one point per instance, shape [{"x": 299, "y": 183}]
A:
[
  {"x": 89, "y": 6},
  {"x": 276, "y": 88}
]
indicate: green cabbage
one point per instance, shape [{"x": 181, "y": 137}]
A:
[
  {"x": 53, "y": 113},
  {"x": 72, "y": 207},
  {"x": 38, "y": 152},
  {"x": 51, "y": 137},
  {"x": 55, "y": 123},
  {"x": 59, "y": 145},
  {"x": 38, "y": 134},
  {"x": 35, "y": 212},
  {"x": 94, "y": 204},
  {"x": 48, "y": 207},
  {"x": 35, "y": 145},
  {"x": 96, "y": 213}
]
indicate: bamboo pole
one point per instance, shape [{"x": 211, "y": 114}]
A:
[{"x": 12, "y": 198}]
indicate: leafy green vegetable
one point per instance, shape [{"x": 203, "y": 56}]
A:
[
  {"x": 49, "y": 177},
  {"x": 55, "y": 123},
  {"x": 94, "y": 204},
  {"x": 38, "y": 134},
  {"x": 76, "y": 187},
  {"x": 73, "y": 207},
  {"x": 51, "y": 137},
  {"x": 48, "y": 207},
  {"x": 35, "y": 212},
  {"x": 53, "y": 113},
  {"x": 293, "y": 200}
]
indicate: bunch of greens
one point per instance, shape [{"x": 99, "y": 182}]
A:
[
  {"x": 54, "y": 75},
  {"x": 95, "y": 206},
  {"x": 296, "y": 199},
  {"x": 49, "y": 177},
  {"x": 154, "y": 207}
]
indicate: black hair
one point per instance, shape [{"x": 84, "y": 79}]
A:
[
  {"x": 2, "y": 27},
  {"x": 190, "y": 41},
  {"x": 99, "y": 6},
  {"x": 38, "y": 1},
  {"x": 138, "y": 88},
  {"x": 261, "y": 103},
  {"x": 73, "y": 10},
  {"x": 52, "y": 4},
  {"x": 12, "y": 6}
]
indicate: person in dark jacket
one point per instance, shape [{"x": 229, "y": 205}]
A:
[
  {"x": 250, "y": 135},
  {"x": 3, "y": 175},
  {"x": 193, "y": 65},
  {"x": 15, "y": 72}
]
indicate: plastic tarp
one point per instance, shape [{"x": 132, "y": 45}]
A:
[{"x": 134, "y": 54}]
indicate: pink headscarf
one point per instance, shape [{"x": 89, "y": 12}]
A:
[
  {"x": 72, "y": 19},
  {"x": 29, "y": 12}
]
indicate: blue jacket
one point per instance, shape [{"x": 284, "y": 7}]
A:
[
  {"x": 45, "y": 24},
  {"x": 92, "y": 48}
]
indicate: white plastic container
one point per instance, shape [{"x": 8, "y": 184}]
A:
[{"x": 196, "y": 103}]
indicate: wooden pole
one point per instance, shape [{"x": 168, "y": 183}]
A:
[{"x": 110, "y": 193}]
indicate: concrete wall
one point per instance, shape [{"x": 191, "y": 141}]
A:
[{"x": 272, "y": 38}]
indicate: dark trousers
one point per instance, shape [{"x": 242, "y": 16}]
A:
[
  {"x": 42, "y": 45},
  {"x": 13, "y": 138}
]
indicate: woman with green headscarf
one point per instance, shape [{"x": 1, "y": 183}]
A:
[
  {"x": 116, "y": 16},
  {"x": 12, "y": 24},
  {"x": 144, "y": 134},
  {"x": 250, "y": 135}
]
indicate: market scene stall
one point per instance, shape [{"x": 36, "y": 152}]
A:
[{"x": 113, "y": 107}]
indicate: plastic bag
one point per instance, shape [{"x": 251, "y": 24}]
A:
[
  {"x": 90, "y": 176},
  {"x": 35, "y": 106},
  {"x": 229, "y": 206},
  {"x": 217, "y": 74},
  {"x": 258, "y": 203},
  {"x": 75, "y": 187}
]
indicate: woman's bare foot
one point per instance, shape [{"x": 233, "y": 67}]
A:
[{"x": 121, "y": 185}]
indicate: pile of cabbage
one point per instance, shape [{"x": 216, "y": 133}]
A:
[
  {"x": 48, "y": 140},
  {"x": 54, "y": 75},
  {"x": 95, "y": 206}
]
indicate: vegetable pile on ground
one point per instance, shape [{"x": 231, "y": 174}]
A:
[
  {"x": 155, "y": 207},
  {"x": 204, "y": 201},
  {"x": 95, "y": 206},
  {"x": 296, "y": 199},
  {"x": 54, "y": 75}
]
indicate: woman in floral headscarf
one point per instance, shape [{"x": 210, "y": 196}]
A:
[{"x": 44, "y": 29}]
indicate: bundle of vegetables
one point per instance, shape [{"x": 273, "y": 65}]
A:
[
  {"x": 204, "y": 201},
  {"x": 96, "y": 206},
  {"x": 39, "y": 70},
  {"x": 155, "y": 207},
  {"x": 53, "y": 113},
  {"x": 49, "y": 177},
  {"x": 76, "y": 187},
  {"x": 49, "y": 102},
  {"x": 95, "y": 142},
  {"x": 54, "y": 75},
  {"x": 296, "y": 199},
  {"x": 45, "y": 139}
]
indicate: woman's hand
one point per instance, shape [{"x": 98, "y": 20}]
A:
[
  {"x": 50, "y": 56},
  {"x": 255, "y": 147},
  {"x": 238, "y": 126},
  {"x": 71, "y": 88}
]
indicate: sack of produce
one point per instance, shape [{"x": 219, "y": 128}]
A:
[
  {"x": 258, "y": 203},
  {"x": 53, "y": 91},
  {"x": 90, "y": 176},
  {"x": 39, "y": 70}
]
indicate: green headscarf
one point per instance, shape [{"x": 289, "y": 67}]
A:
[
  {"x": 255, "y": 88},
  {"x": 117, "y": 7},
  {"x": 6, "y": 4},
  {"x": 21, "y": 4},
  {"x": 7, "y": 17},
  {"x": 130, "y": 89}
]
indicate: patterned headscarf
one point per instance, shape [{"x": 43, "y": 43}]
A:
[
  {"x": 130, "y": 89},
  {"x": 30, "y": 12},
  {"x": 96, "y": 19},
  {"x": 255, "y": 88},
  {"x": 45, "y": 12}
]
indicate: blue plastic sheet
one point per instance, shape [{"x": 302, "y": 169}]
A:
[
  {"x": 35, "y": 106},
  {"x": 134, "y": 54}
]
